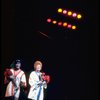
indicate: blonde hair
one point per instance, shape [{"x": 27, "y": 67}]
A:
[{"x": 37, "y": 63}]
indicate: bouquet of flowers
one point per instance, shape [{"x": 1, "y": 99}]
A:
[
  {"x": 9, "y": 77},
  {"x": 8, "y": 73},
  {"x": 45, "y": 77}
]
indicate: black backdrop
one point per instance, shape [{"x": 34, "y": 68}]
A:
[{"x": 69, "y": 57}]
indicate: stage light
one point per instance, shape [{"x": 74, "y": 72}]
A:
[
  {"x": 79, "y": 16},
  {"x": 73, "y": 27},
  {"x": 74, "y": 14},
  {"x": 64, "y": 24},
  {"x": 69, "y": 26},
  {"x": 64, "y": 11},
  {"x": 59, "y": 23},
  {"x": 48, "y": 20},
  {"x": 54, "y": 22},
  {"x": 69, "y": 13},
  {"x": 59, "y": 10}
]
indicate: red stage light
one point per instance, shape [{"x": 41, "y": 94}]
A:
[
  {"x": 69, "y": 26},
  {"x": 59, "y": 23},
  {"x": 48, "y": 20}
]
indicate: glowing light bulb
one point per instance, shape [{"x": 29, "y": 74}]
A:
[
  {"x": 59, "y": 10},
  {"x": 69, "y": 13},
  {"x": 73, "y": 27},
  {"x": 64, "y": 11},
  {"x": 59, "y": 23},
  {"x": 74, "y": 14},
  {"x": 48, "y": 20},
  {"x": 69, "y": 26},
  {"x": 54, "y": 22},
  {"x": 64, "y": 24},
  {"x": 79, "y": 16}
]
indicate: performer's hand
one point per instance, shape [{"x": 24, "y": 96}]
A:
[
  {"x": 22, "y": 84},
  {"x": 5, "y": 82},
  {"x": 25, "y": 90},
  {"x": 40, "y": 83},
  {"x": 11, "y": 77},
  {"x": 45, "y": 84}
]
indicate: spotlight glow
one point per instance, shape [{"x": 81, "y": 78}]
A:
[
  {"x": 73, "y": 27},
  {"x": 64, "y": 11},
  {"x": 69, "y": 13},
  {"x": 79, "y": 16},
  {"x": 48, "y": 20},
  {"x": 54, "y": 22},
  {"x": 74, "y": 14},
  {"x": 69, "y": 26},
  {"x": 59, "y": 23},
  {"x": 59, "y": 10},
  {"x": 64, "y": 24}
]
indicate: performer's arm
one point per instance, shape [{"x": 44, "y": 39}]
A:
[
  {"x": 7, "y": 75},
  {"x": 23, "y": 80},
  {"x": 33, "y": 81},
  {"x": 6, "y": 80}
]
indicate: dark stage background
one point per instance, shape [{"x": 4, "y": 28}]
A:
[{"x": 69, "y": 57}]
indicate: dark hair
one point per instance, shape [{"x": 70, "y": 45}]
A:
[
  {"x": 14, "y": 63},
  {"x": 17, "y": 61}
]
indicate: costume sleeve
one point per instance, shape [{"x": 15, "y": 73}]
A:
[
  {"x": 5, "y": 80},
  {"x": 7, "y": 74},
  {"x": 23, "y": 79},
  {"x": 32, "y": 80}
]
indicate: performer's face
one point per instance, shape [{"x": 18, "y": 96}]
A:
[
  {"x": 38, "y": 67},
  {"x": 18, "y": 65}
]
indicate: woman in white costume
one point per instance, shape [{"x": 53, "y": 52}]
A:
[
  {"x": 36, "y": 82},
  {"x": 14, "y": 78}
]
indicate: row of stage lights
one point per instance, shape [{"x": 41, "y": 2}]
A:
[
  {"x": 66, "y": 13},
  {"x": 60, "y": 23},
  {"x": 69, "y": 13}
]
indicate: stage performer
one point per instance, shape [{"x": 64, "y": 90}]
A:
[
  {"x": 38, "y": 82},
  {"x": 14, "y": 79}
]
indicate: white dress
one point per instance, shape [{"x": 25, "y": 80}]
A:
[
  {"x": 36, "y": 92},
  {"x": 13, "y": 90}
]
